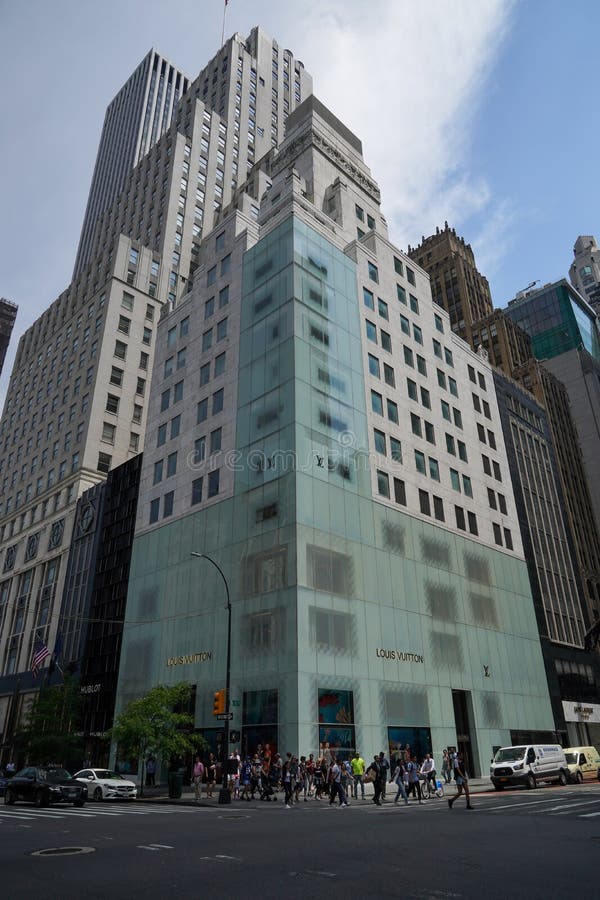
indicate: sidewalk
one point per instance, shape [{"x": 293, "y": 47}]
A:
[{"x": 160, "y": 794}]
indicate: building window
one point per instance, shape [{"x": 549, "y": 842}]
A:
[
  {"x": 508, "y": 539},
  {"x": 438, "y": 509},
  {"x": 104, "y": 461},
  {"x": 213, "y": 483},
  {"x": 497, "y": 534},
  {"x": 438, "y": 322},
  {"x": 412, "y": 389},
  {"x": 472, "y": 522},
  {"x": 368, "y": 298},
  {"x": 380, "y": 442},
  {"x": 120, "y": 350},
  {"x": 108, "y": 432},
  {"x": 371, "y": 331},
  {"x": 112, "y": 404},
  {"x": 116, "y": 376},
  {"x": 401, "y": 294},
  {"x": 377, "y": 403},
  {"x": 383, "y": 484},
  {"x": 165, "y": 399},
  {"x": 388, "y": 374},
  {"x": 124, "y": 325},
  {"x": 161, "y": 435},
  {"x": 171, "y": 464},
  {"x": 217, "y": 401},
  {"x": 410, "y": 275},
  {"x": 168, "y": 504},
  {"x": 399, "y": 492},
  {"x": 219, "y": 365},
  {"x": 197, "y": 490},
  {"x": 460, "y": 518},
  {"x": 392, "y": 411},
  {"x": 396, "y": 449},
  {"x": 202, "y": 411},
  {"x": 158, "y": 471},
  {"x": 154, "y": 510},
  {"x": 424, "y": 504},
  {"x": 134, "y": 441},
  {"x": 420, "y": 462},
  {"x": 178, "y": 392},
  {"x": 373, "y": 272},
  {"x": 221, "y": 330},
  {"x": 455, "y": 479}
]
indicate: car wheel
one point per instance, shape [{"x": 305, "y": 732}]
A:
[
  {"x": 78, "y": 802},
  {"x": 498, "y": 787},
  {"x": 579, "y": 776},
  {"x": 39, "y": 800},
  {"x": 9, "y": 797},
  {"x": 562, "y": 778},
  {"x": 530, "y": 782},
  {"x": 97, "y": 793}
]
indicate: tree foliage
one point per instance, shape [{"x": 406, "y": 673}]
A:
[
  {"x": 153, "y": 724},
  {"x": 51, "y": 728}
]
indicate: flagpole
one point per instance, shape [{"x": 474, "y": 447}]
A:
[{"x": 223, "y": 28}]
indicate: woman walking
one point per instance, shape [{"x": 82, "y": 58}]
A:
[{"x": 462, "y": 782}]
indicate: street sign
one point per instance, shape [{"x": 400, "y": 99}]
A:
[
  {"x": 224, "y": 716},
  {"x": 235, "y": 702}
]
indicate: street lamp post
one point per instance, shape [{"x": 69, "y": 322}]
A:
[{"x": 224, "y": 795}]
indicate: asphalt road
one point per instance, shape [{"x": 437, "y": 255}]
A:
[{"x": 527, "y": 844}]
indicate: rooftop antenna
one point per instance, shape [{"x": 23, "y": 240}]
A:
[
  {"x": 529, "y": 286},
  {"x": 223, "y": 28}
]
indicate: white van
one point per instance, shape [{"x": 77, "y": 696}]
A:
[
  {"x": 583, "y": 763},
  {"x": 528, "y": 764}
]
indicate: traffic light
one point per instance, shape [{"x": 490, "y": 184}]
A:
[{"x": 219, "y": 703}]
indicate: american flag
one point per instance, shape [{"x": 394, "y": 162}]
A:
[{"x": 39, "y": 656}]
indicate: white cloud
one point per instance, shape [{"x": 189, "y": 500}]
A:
[{"x": 408, "y": 78}]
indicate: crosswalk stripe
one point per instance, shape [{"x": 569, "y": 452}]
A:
[
  {"x": 588, "y": 815},
  {"x": 519, "y": 805},
  {"x": 567, "y": 806}
]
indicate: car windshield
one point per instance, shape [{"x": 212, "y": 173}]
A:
[
  {"x": 571, "y": 758},
  {"x": 105, "y": 774},
  {"x": 509, "y": 754},
  {"x": 53, "y": 776}
]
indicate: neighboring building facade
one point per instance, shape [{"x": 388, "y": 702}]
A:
[
  {"x": 456, "y": 284},
  {"x": 8, "y": 314},
  {"x": 135, "y": 119},
  {"x": 314, "y": 444},
  {"x": 564, "y": 334},
  {"x": 585, "y": 270},
  {"x": 573, "y": 674}
]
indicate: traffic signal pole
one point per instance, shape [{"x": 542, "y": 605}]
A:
[{"x": 224, "y": 794}]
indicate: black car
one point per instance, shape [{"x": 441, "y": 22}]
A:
[{"x": 44, "y": 785}]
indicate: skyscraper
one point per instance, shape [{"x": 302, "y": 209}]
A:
[
  {"x": 77, "y": 398},
  {"x": 585, "y": 270},
  {"x": 456, "y": 283},
  {"x": 315, "y": 444},
  {"x": 8, "y": 314},
  {"x": 135, "y": 119}
]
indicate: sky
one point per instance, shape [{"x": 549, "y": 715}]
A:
[{"x": 482, "y": 113}]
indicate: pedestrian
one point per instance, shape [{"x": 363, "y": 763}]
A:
[
  {"x": 413, "y": 778},
  {"x": 358, "y": 773},
  {"x": 375, "y": 770},
  {"x": 446, "y": 768},
  {"x": 310, "y": 767},
  {"x": 462, "y": 782},
  {"x": 211, "y": 775},
  {"x": 319, "y": 778},
  {"x": 198, "y": 777},
  {"x": 337, "y": 789},
  {"x": 150, "y": 771},
  {"x": 398, "y": 778},
  {"x": 385, "y": 768},
  {"x": 248, "y": 779},
  {"x": 286, "y": 777}
]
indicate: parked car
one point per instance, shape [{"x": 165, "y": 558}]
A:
[
  {"x": 583, "y": 763},
  {"x": 527, "y": 765},
  {"x": 103, "y": 784},
  {"x": 44, "y": 785}
]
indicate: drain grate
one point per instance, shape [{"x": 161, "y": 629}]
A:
[{"x": 63, "y": 851}]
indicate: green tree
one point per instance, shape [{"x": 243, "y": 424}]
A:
[
  {"x": 51, "y": 731},
  {"x": 155, "y": 724}
]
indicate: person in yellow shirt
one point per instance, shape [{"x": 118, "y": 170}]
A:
[{"x": 357, "y": 764}]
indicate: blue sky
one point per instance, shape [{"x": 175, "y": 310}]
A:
[{"x": 479, "y": 112}]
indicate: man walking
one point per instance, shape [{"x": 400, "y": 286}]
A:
[
  {"x": 413, "y": 778},
  {"x": 357, "y": 764},
  {"x": 375, "y": 770},
  {"x": 385, "y": 768},
  {"x": 337, "y": 789}
]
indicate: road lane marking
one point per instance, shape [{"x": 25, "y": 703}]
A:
[
  {"x": 588, "y": 815},
  {"x": 519, "y": 805},
  {"x": 573, "y": 805}
]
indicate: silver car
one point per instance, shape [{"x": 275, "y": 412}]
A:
[{"x": 102, "y": 784}]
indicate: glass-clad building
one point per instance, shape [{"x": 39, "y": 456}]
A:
[
  {"x": 557, "y": 319},
  {"x": 316, "y": 429}
]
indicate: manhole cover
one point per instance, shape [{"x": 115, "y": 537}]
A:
[{"x": 63, "y": 851}]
